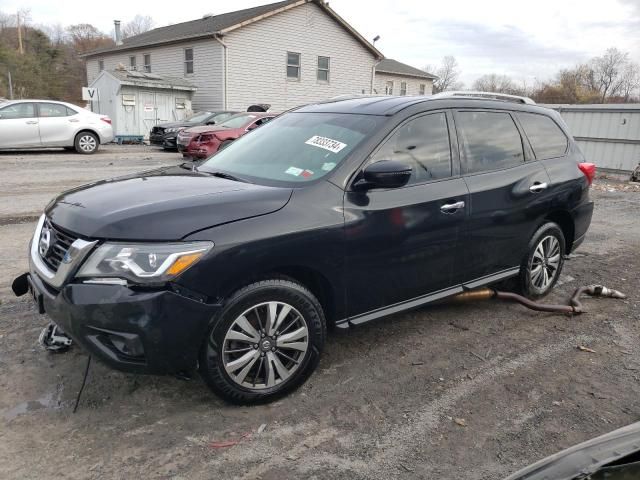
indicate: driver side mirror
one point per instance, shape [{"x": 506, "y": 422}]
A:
[{"x": 384, "y": 174}]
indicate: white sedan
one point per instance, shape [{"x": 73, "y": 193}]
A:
[{"x": 47, "y": 123}]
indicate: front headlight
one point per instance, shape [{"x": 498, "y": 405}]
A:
[
  {"x": 143, "y": 263},
  {"x": 174, "y": 129}
]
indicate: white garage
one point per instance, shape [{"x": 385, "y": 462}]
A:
[{"x": 137, "y": 101}]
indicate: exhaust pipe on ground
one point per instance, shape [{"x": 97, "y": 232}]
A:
[{"x": 574, "y": 306}]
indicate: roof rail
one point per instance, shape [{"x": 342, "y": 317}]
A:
[{"x": 490, "y": 95}]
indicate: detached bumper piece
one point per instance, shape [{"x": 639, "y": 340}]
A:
[{"x": 53, "y": 339}]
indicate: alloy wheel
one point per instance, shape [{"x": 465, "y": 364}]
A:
[
  {"x": 545, "y": 262},
  {"x": 265, "y": 345},
  {"x": 87, "y": 143}
]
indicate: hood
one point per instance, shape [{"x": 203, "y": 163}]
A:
[
  {"x": 206, "y": 128},
  {"x": 174, "y": 124},
  {"x": 165, "y": 204},
  {"x": 588, "y": 458}
]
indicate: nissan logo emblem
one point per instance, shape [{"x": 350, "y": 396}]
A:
[{"x": 45, "y": 242}]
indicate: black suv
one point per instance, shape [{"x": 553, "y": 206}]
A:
[
  {"x": 165, "y": 134},
  {"x": 331, "y": 215}
]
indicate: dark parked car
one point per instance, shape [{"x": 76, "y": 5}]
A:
[
  {"x": 202, "y": 142},
  {"x": 613, "y": 456},
  {"x": 335, "y": 214},
  {"x": 165, "y": 134}
]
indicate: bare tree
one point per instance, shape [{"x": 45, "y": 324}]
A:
[
  {"x": 496, "y": 83},
  {"x": 7, "y": 20},
  {"x": 139, "y": 24},
  {"x": 630, "y": 81},
  {"x": 85, "y": 37},
  {"x": 448, "y": 74},
  {"x": 607, "y": 72},
  {"x": 56, "y": 33}
]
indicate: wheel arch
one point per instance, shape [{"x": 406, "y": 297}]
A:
[
  {"x": 86, "y": 130},
  {"x": 567, "y": 225},
  {"x": 312, "y": 279}
]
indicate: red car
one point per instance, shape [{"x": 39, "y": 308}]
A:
[{"x": 204, "y": 141}]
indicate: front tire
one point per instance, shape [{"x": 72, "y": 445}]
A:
[
  {"x": 86, "y": 143},
  {"x": 265, "y": 343},
  {"x": 541, "y": 268}
]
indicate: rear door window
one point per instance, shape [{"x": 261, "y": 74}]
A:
[
  {"x": 489, "y": 141},
  {"x": 423, "y": 143},
  {"x": 53, "y": 110},
  {"x": 546, "y": 137}
]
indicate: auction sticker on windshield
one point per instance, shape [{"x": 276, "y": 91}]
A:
[
  {"x": 294, "y": 171},
  {"x": 326, "y": 143}
]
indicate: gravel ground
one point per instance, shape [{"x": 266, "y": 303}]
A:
[{"x": 455, "y": 391}]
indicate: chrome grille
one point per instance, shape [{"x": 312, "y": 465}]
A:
[
  {"x": 61, "y": 241},
  {"x": 157, "y": 130}
]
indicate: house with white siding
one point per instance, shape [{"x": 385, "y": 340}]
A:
[
  {"x": 396, "y": 78},
  {"x": 284, "y": 54}
]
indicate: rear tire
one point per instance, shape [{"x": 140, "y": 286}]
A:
[
  {"x": 265, "y": 342},
  {"x": 86, "y": 143},
  {"x": 543, "y": 263}
]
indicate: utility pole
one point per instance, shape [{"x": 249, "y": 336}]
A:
[
  {"x": 20, "y": 49},
  {"x": 10, "y": 86}
]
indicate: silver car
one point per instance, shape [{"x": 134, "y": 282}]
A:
[{"x": 47, "y": 123}]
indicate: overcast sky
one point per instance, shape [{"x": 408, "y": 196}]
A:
[{"x": 526, "y": 40}]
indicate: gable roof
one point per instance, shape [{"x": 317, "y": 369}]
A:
[
  {"x": 395, "y": 67},
  {"x": 218, "y": 25}
]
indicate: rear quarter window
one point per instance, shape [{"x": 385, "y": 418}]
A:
[
  {"x": 489, "y": 141},
  {"x": 546, "y": 137}
]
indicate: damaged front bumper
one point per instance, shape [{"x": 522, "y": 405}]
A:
[
  {"x": 133, "y": 329},
  {"x": 153, "y": 331}
]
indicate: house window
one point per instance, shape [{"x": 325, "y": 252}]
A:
[
  {"x": 188, "y": 60},
  {"x": 293, "y": 66},
  {"x": 423, "y": 89},
  {"x": 403, "y": 88},
  {"x": 132, "y": 62},
  {"x": 147, "y": 62},
  {"x": 323, "y": 69},
  {"x": 100, "y": 65},
  {"x": 388, "y": 89}
]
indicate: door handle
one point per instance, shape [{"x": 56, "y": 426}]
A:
[
  {"x": 31, "y": 122},
  {"x": 74, "y": 120},
  {"x": 538, "y": 187},
  {"x": 451, "y": 207}
]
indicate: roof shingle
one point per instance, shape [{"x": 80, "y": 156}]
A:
[
  {"x": 193, "y": 28},
  {"x": 395, "y": 67}
]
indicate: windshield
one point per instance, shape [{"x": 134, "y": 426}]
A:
[
  {"x": 238, "y": 120},
  {"x": 221, "y": 117},
  {"x": 198, "y": 117},
  {"x": 295, "y": 147}
]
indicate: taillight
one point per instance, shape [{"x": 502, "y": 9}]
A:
[
  {"x": 589, "y": 170},
  {"x": 106, "y": 120}
]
